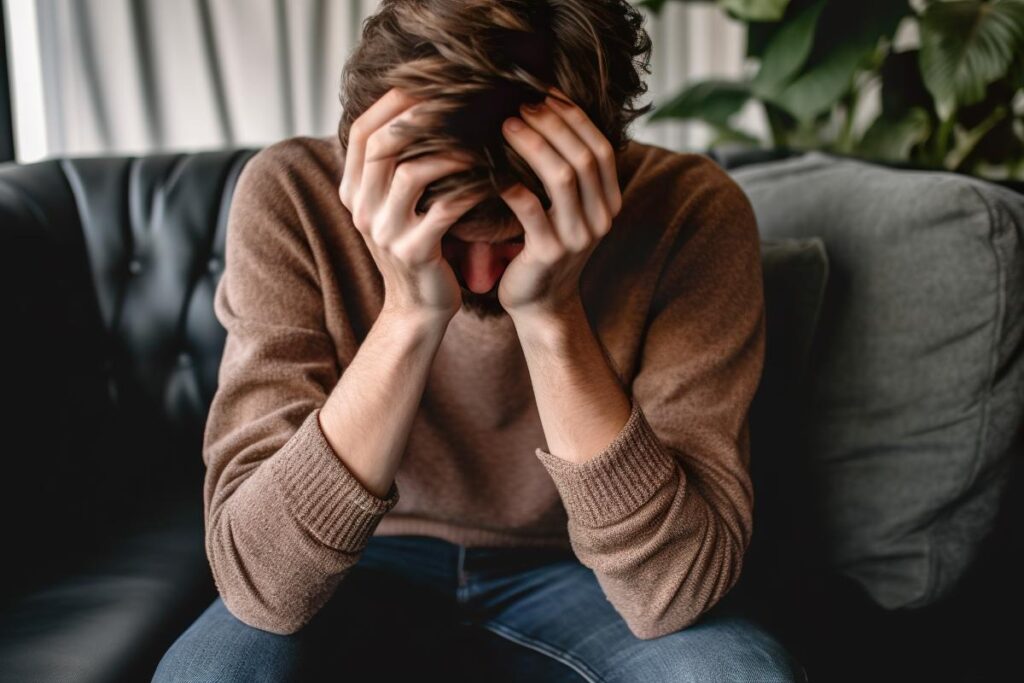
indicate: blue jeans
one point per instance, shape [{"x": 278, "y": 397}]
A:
[{"x": 537, "y": 615}]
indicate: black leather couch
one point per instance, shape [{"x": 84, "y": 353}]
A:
[{"x": 109, "y": 267}]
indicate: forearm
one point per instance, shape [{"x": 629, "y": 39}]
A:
[
  {"x": 281, "y": 539},
  {"x": 581, "y": 403},
  {"x": 368, "y": 416},
  {"x": 631, "y": 516}
]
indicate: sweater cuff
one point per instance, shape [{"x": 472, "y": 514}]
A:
[
  {"x": 322, "y": 492},
  {"x": 615, "y": 483}
]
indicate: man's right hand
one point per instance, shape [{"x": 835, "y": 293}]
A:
[{"x": 382, "y": 197}]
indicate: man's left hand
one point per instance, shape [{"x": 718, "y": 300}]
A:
[{"x": 576, "y": 164}]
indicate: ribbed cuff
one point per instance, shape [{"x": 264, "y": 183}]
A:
[
  {"x": 616, "y": 482},
  {"x": 322, "y": 493}
]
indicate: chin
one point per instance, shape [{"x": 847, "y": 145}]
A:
[{"x": 482, "y": 305}]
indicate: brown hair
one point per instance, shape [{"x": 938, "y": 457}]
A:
[{"x": 473, "y": 62}]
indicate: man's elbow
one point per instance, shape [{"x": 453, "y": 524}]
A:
[
  {"x": 256, "y": 614},
  {"x": 649, "y": 628},
  {"x": 690, "y": 608},
  {"x": 259, "y": 605}
]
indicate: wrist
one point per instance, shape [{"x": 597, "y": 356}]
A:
[{"x": 418, "y": 322}]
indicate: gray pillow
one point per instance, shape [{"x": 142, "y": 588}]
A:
[
  {"x": 916, "y": 384},
  {"x": 795, "y": 272}
]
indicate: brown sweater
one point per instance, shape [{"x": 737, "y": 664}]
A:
[{"x": 662, "y": 516}]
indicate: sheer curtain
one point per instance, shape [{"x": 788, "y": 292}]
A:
[{"x": 137, "y": 76}]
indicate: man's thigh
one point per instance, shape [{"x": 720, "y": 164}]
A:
[
  {"x": 219, "y": 647},
  {"x": 379, "y": 626},
  {"x": 561, "y": 611},
  {"x": 375, "y": 625}
]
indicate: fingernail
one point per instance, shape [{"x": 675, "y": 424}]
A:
[
  {"x": 514, "y": 124},
  {"x": 532, "y": 107}
]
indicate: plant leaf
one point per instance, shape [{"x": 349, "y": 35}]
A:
[
  {"x": 848, "y": 33},
  {"x": 732, "y": 136},
  {"x": 712, "y": 100},
  {"x": 787, "y": 50},
  {"x": 967, "y": 44},
  {"x": 893, "y": 139},
  {"x": 755, "y": 10}
]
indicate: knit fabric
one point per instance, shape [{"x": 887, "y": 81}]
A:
[{"x": 663, "y": 515}]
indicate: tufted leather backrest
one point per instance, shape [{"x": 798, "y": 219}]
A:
[{"x": 109, "y": 267}]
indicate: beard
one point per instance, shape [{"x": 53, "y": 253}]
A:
[{"x": 485, "y": 305}]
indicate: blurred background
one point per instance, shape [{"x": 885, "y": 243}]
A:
[
  {"x": 932, "y": 83},
  {"x": 134, "y": 76}
]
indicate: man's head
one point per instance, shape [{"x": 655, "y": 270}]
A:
[{"x": 473, "y": 63}]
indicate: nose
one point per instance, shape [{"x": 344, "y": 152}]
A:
[{"x": 481, "y": 264}]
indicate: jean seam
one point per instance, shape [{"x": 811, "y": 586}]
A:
[
  {"x": 460, "y": 568},
  {"x": 569, "y": 660}
]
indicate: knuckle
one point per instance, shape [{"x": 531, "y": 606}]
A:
[
  {"x": 616, "y": 204},
  {"x": 532, "y": 209},
  {"x": 564, "y": 175},
  {"x": 381, "y": 239},
  {"x": 357, "y": 131},
  {"x": 374, "y": 144},
  {"x": 402, "y": 251},
  {"x": 363, "y": 219},
  {"x": 579, "y": 242},
  {"x": 605, "y": 153},
  {"x": 586, "y": 162},
  {"x": 575, "y": 117}
]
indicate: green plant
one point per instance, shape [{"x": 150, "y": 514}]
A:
[{"x": 954, "y": 100}]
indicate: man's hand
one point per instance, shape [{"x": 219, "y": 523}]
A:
[
  {"x": 576, "y": 164},
  {"x": 381, "y": 195}
]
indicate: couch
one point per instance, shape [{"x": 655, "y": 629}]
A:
[{"x": 109, "y": 267}]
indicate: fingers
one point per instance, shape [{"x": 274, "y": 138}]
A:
[
  {"x": 408, "y": 183},
  {"x": 439, "y": 218},
  {"x": 559, "y": 178},
  {"x": 570, "y": 147},
  {"x": 541, "y": 240},
  {"x": 382, "y": 148},
  {"x": 391, "y": 104},
  {"x": 578, "y": 121}
]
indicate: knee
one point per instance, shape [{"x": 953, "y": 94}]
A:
[
  {"x": 758, "y": 657},
  {"x": 220, "y": 647},
  {"x": 718, "y": 650}
]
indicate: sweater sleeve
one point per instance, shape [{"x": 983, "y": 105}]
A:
[
  {"x": 663, "y": 515},
  {"x": 284, "y": 518}
]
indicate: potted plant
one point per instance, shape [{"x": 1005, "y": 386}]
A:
[{"x": 953, "y": 99}]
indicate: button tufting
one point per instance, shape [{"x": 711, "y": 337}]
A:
[
  {"x": 212, "y": 265},
  {"x": 184, "y": 358},
  {"x": 134, "y": 266}
]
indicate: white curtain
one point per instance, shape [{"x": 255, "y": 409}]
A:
[{"x": 138, "y": 76}]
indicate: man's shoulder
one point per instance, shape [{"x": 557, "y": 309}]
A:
[
  {"x": 299, "y": 157},
  {"x": 650, "y": 168}
]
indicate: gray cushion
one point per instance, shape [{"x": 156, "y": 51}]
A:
[
  {"x": 795, "y": 272},
  {"x": 916, "y": 389}
]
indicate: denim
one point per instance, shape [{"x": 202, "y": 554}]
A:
[{"x": 538, "y": 615}]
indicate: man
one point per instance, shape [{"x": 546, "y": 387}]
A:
[{"x": 559, "y": 391}]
